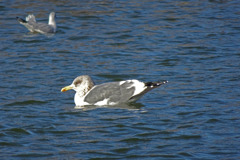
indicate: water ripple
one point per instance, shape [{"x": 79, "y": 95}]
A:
[{"x": 28, "y": 102}]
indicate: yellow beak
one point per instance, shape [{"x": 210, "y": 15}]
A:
[{"x": 64, "y": 89}]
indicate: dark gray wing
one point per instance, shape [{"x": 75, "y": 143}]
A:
[{"x": 113, "y": 91}]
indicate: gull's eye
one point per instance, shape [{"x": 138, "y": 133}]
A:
[{"x": 77, "y": 82}]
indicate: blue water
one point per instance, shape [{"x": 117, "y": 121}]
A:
[{"x": 192, "y": 44}]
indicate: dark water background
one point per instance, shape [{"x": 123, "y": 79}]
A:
[{"x": 193, "y": 44}]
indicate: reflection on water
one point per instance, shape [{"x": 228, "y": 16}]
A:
[{"x": 132, "y": 106}]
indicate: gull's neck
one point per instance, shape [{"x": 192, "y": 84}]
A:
[
  {"x": 84, "y": 88},
  {"x": 81, "y": 92},
  {"x": 52, "y": 22}
]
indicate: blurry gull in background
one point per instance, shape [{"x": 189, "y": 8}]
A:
[
  {"x": 31, "y": 24},
  {"x": 111, "y": 93}
]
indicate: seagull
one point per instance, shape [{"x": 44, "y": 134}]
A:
[
  {"x": 31, "y": 24},
  {"x": 111, "y": 93}
]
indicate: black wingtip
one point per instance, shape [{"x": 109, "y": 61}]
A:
[
  {"x": 21, "y": 20},
  {"x": 155, "y": 84},
  {"x": 165, "y": 81}
]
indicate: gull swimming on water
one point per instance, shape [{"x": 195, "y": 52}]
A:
[
  {"x": 111, "y": 93},
  {"x": 33, "y": 26}
]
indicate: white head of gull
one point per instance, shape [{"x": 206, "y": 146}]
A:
[
  {"x": 111, "y": 93},
  {"x": 33, "y": 26}
]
